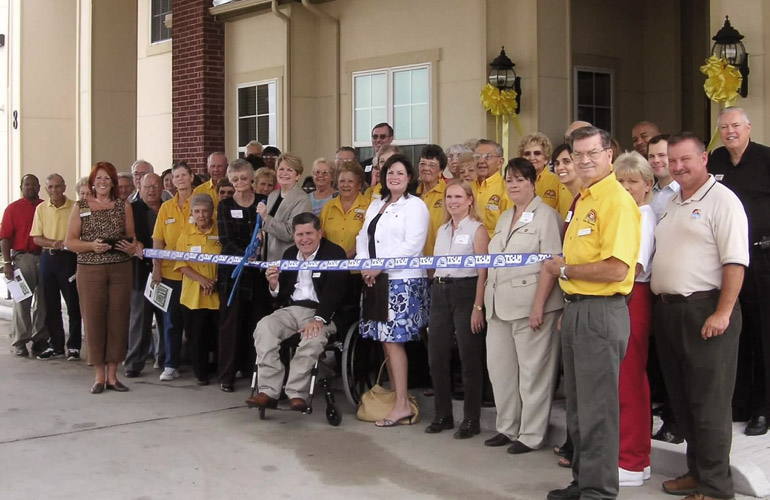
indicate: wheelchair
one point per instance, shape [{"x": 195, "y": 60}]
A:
[{"x": 354, "y": 359}]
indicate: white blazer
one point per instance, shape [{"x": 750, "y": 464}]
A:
[{"x": 401, "y": 232}]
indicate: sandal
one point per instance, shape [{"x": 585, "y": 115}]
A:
[
  {"x": 386, "y": 422},
  {"x": 565, "y": 462}
]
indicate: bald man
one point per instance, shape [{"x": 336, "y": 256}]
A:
[
  {"x": 641, "y": 135},
  {"x": 574, "y": 126}
]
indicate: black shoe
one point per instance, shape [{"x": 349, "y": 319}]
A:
[
  {"x": 131, "y": 373},
  {"x": 757, "y": 426},
  {"x": 50, "y": 353},
  {"x": 517, "y": 448},
  {"x": 468, "y": 429},
  {"x": 571, "y": 492},
  {"x": 203, "y": 381},
  {"x": 440, "y": 424},
  {"x": 498, "y": 440},
  {"x": 226, "y": 387},
  {"x": 667, "y": 437}
]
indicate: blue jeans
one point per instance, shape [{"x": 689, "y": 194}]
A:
[{"x": 172, "y": 324}]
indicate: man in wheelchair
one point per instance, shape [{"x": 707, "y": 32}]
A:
[{"x": 308, "y": 300}]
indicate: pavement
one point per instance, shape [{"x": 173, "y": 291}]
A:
[{"x": 169, "y": 440}]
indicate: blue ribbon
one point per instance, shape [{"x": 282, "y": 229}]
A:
[
  {"x": 250, "y": 250},
  {"x": 495, "y": 260}
]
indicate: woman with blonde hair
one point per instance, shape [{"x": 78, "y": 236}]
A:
[
  {"x": 635, "y": 174},
  {"x": 457, "y": 296},
  {"x": 537, "y": 149},
  {"x": 323, "y": 179}
]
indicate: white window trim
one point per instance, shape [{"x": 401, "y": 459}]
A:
[
  {"x": 594, "y": 69},
  {"x": 389, "y": 103},
  {"x": 149, "y": 31},
  {"x": 274, "y": 81}
]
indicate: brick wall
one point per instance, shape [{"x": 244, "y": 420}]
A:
[{"x": 198, "y": 83}]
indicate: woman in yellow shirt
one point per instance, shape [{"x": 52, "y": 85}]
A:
[
  {"x": 199, "y": 298},
  {"x": 343, "y": 217}
]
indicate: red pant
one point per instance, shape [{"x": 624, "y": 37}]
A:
[{"x": 633, "y": 388}]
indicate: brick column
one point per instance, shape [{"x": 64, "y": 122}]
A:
[{"x": 198, "y": 83}]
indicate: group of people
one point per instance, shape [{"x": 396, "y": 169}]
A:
[{"x": 641, "y": 242}]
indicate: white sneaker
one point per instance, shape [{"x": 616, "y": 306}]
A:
[
  {"x": 630, "y": 478},
  {"x": 647, "y": 473},
  {"x": 169, "y": 374}
]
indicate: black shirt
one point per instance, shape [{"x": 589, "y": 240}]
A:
[{"x": 750, "y": 181}]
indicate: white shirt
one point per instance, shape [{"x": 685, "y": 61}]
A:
[
  {"x": 660, "y": 197},
  {"x": 304, "y": 289},
  {"x": 647, "y": 243}
]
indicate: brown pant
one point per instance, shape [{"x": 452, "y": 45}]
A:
[{"x": 105, "y": 298}]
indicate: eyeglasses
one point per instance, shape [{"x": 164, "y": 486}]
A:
[
  {"x": 381, "y": 137},
  {"x": 345, "y": 160},
  {"x": 594, "y": 155},
  {"x": 321, "y": 174},
  {"x": 532, "y": 153},
  {"x": 485, "y": 156},
  {"x": 428, "y": 164}
]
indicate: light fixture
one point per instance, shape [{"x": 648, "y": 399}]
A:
[
  {"x": 502, "y": 75},
  {"x": 727, "y": 44}
]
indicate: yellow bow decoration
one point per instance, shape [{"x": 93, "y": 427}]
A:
[
  {"x": 501, "y": 103},
  {"x": 721, "y": 85}
]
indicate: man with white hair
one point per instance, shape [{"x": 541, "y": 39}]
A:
[
  {"x": 744, "y": 166},
  {"x": 139, "y": 169},
  {"x": 253, "y": 148}
]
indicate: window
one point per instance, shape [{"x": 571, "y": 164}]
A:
[
  {"x": 399, "y": 96},
  {"x": 594, "y": 96},
  {"x": 158, "y": 30},
  {"x": 257, "y": 117}
]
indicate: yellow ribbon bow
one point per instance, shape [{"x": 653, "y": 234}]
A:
[
  {"x": 723, "y": 80},
  {"x": 497, "y": 102}
]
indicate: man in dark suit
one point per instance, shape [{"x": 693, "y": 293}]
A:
[
  {"x": 309, "y": 300},
  {"x": 145, "y": 210}
]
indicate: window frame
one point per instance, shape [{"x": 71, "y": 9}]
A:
[
  {"x": 389, "y": 104},
  {"x": 242, "y": 149},
  {"x": 163, "y": 21},
  {"x": 575, "y": 98}
]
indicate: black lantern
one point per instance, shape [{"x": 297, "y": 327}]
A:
[
  {"x": 503, "y": 76},
  {"x": 727, "y": 44}
]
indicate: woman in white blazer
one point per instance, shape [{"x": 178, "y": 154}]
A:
[
  {"x": 396, "y": 225},
  {"x": 282, "y": 205},
  {"x": 522, "y": 306}
]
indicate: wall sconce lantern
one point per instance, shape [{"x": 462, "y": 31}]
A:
[
  {"x": 727, "y": 44},
  {"x": 502, "y": 76}
]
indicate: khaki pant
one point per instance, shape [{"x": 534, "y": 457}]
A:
[
  {"x": 523, "y": 366},
  {"x": 105, "y": 297},
  {"x": 29, "y": 314},
  {"x": 270, "y": 332}
]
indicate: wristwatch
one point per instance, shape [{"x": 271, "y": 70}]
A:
[
  {"x": 319, "y": 318},
  {"x": 562, "y": 274}
]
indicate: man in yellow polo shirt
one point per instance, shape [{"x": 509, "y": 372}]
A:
[
  {"x": 601, "y": 246},
  {"x": 492, "y": 199},
  {"x": 431, "y": 189},
  {"x": 216, "y": 165},
  {"x": 57, "y": 270}
]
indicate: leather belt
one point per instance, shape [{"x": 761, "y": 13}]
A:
[
  {"x": 14, "y": 253},
  {"x": 441, "y": 280},
  {"x": 577, "y": 297},
  {"x": 672, "y": 298}
]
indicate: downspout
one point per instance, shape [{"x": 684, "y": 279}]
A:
[
  {"x": 337, "y": 88},
  {"x": 287, "y": 77}
]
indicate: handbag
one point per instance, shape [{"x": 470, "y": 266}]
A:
[{"x": 377, "y": 402}]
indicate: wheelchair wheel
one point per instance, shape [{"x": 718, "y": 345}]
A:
[
  {"x": 361, "y": 360},
  {"x": 333, "y": 415}
]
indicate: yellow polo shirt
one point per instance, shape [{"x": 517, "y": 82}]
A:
[
  {"x": 373, "y": 193},
  {"x": 50, "y": 221},
  {"x": 565, "y": 201},
  {"x": 547, "y": 188},
  {"x": 606, "y": 223},
  {"x": 434, "y": 200},
  {"x": 341, "y": 228},
  {"x": 210, "y": 189},
  {"x": 169, "y": 225},
  {"x": 492, "y": 200},
  {"x": 193, "y": 240}
]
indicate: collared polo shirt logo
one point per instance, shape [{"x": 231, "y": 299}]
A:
[
  {"x": 695, "y": 214},
  {"x": 494, "y": 202},
  {"x": 590, "y": 217},
  {"x": 550, "y": 194},
  {"x": 358, "y": 216},
  {"x": 439, "y": 203}
]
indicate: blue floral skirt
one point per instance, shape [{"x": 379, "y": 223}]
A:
[{"x": 408, "y": 312}]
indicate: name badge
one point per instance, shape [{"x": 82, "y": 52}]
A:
[
  {"x": 360, "y": 211},
  {"x": 85, "y": 214},
  {"x": 236, "y": 214},
  {"x": 719, "y": 177},
  {"x": 368, "y": 168},
  {"x": 527, "y": 217},
  {"x": 212, "y": 237},
  {"x": 316, "y": 275},
  {"x": 462, "y": 239},
  {"x": 584, "y": 232},
  {"x": 191, "y": 220},
  {"x": 568, "y": 217},
  {"x": 170, "y": 221},
  {"x": 196, "y": 249},
  {"x": 493, "y": 207}
]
